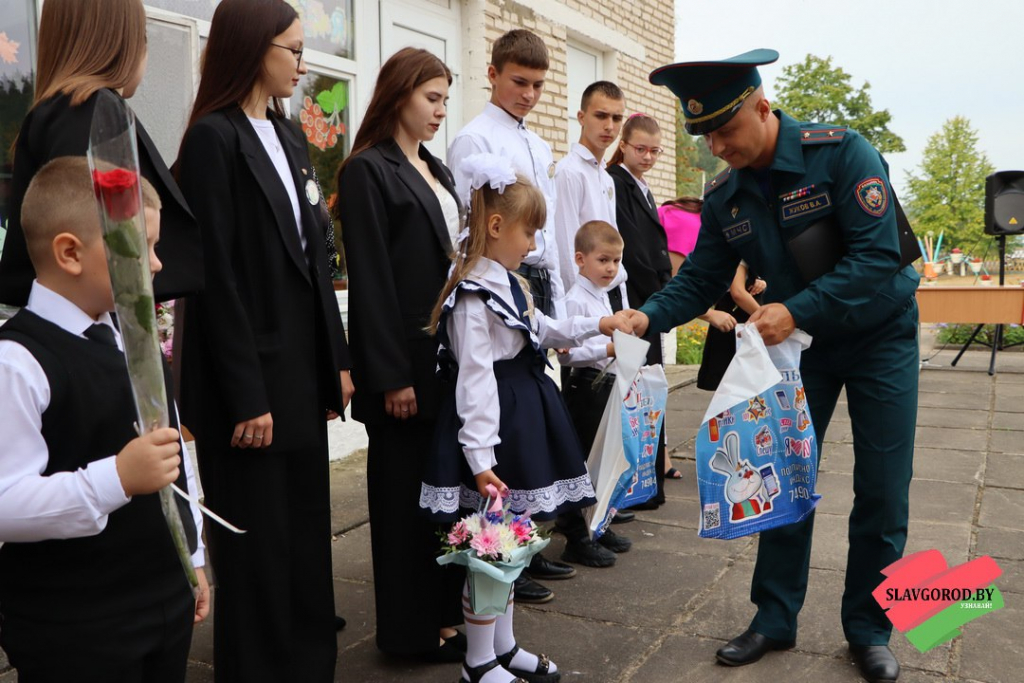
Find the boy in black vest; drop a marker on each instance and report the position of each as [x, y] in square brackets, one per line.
[91, 588]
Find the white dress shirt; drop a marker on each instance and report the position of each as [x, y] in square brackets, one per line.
[497, 132]
[585, 193]
[272, 144]
[480, 336]
[645, 189]
[62, 505]
[589, 300]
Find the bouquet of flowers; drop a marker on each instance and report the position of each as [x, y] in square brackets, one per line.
[495, 546]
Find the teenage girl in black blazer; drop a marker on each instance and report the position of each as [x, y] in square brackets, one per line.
[77, 65]
[397, 209]
[265, 362]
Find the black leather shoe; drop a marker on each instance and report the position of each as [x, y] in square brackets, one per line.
[544, 569]
[877, 663]
[748, 647]
[588, 553]
[531, 592]
[339, 623]
[614, 542]
[623, 517]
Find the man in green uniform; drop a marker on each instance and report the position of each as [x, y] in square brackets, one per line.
[810, 208]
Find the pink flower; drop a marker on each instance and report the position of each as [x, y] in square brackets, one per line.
[487, 543]
[166, 347]
[458, 535]
[523, 530]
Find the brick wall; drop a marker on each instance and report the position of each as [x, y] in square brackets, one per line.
[651, 23]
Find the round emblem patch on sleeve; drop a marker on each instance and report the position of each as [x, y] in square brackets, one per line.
[872, 196]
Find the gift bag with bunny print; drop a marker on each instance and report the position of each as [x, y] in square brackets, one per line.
[757, 456]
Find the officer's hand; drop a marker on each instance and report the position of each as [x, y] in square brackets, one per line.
[639, 320]
[774, 322]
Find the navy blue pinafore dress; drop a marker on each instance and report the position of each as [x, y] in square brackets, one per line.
[540, 458]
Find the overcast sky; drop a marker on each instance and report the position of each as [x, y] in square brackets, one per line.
[926, 60]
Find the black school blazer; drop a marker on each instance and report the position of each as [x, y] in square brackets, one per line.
[54, 129]
[265, 335]
[397, 250]
[645, 254]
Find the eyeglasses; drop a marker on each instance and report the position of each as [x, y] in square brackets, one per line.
[297, 53]
[643, 150]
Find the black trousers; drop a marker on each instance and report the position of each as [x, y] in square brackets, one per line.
[274, 598]
[149, 645]
[415, 597]
[540, 287]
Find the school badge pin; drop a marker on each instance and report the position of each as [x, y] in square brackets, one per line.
[872, 196]
[551, 170]
[695, 107]
[312, 192]
[735, 211]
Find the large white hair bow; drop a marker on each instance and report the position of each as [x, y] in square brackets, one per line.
[487, 169]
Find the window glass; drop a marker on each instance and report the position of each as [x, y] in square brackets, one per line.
[17, 80]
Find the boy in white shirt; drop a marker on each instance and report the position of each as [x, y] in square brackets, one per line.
[598, 255]
[87, 562]
[517, 72]
[585, 190]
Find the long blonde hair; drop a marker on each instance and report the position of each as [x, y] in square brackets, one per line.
[85, 46]
[521, 202]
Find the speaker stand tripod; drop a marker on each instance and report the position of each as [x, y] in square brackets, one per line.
[997, 336]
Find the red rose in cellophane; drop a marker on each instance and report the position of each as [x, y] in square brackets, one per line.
[120, 192]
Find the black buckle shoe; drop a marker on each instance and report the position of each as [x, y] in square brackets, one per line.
[614, 542]
[540, 675]
[877, 663]
[748, 647]
[529, 591]
[544, 569]
[588, 553]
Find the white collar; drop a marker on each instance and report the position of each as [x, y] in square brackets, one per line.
[639, 181]
[592, 289]
[502, 117]
[586, 155]
[51, 306]
[491, 273]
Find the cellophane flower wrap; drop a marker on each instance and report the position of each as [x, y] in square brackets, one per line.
[495, 546]
[113, 160]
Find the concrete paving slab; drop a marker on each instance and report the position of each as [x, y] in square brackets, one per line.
[953, 417]
[1002, 508]
[1006, 442]
[945, 383]
[948, 437]
[1012, 578]
[348, 492]
[1001, 544]
[991, 646]
[939, 501]
[1005, 470]
[836, 493]
[837, 457]
[1012, 421]
[937, 464]
[351, 555]
[1009, 393]
[977, 401]
[725, 609]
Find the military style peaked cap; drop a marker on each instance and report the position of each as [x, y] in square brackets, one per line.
[712, 92]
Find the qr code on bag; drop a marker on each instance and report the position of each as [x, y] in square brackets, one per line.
[712, 516]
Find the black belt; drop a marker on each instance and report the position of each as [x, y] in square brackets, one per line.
[590, 375]
[534, 272]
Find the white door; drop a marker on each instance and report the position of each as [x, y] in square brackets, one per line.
[434, 28]
[583, 67]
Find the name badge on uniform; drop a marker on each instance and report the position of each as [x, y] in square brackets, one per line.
[735, 232]
[312, 192]
[805, 205]
[551, 170]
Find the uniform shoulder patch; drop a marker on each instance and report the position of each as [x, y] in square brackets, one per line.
[717, 182]
[872, 195]
[822, 136]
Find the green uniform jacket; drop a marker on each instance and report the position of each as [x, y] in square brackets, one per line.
[817, 171]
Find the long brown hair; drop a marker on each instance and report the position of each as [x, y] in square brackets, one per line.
[404, 71]
[636, 122]
[521, 202]
[691, 204]
[87, 46]
[240, 35]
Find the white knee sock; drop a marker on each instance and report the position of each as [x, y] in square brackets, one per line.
[480, 642]
[505, 640]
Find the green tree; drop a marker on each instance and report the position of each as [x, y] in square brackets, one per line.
[695, 164]
[948, 192]
[814, 90]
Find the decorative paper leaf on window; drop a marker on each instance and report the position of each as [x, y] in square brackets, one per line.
[9, 49]
[335, 100]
